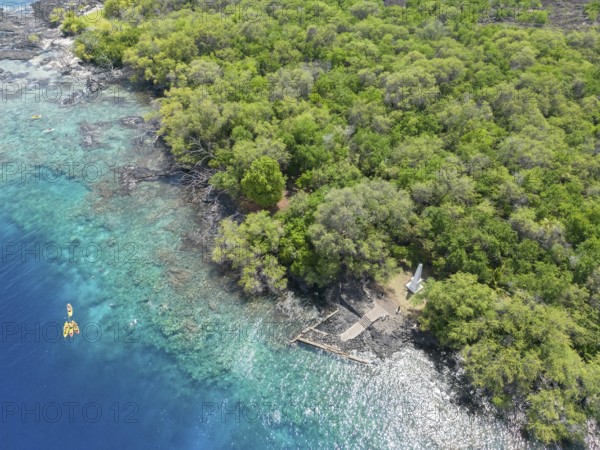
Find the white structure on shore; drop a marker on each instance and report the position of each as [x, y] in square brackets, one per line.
[414, 285]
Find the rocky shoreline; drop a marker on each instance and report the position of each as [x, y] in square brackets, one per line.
[26, 32]
[28, 35]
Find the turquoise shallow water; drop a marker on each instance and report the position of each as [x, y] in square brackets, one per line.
[170, 357]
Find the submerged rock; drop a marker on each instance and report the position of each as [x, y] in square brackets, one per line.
[131, 122]
[90, 135]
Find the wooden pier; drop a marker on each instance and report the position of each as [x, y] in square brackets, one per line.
[307, 329]
[322, 346]
[331, 349]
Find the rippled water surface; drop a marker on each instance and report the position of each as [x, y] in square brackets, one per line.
[168, 358]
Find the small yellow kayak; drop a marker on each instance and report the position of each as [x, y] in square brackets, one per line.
[36, 116]
[66, 329]
[75, 327]
[71, 329]
[69, 310]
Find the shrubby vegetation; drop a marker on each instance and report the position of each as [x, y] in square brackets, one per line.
[399, 138]
[592, 9]
[517, 347]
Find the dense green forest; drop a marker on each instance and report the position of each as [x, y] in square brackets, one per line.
[463, 137]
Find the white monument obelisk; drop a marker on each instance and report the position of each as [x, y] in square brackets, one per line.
[414, 285]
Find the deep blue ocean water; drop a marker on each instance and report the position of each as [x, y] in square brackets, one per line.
[168, 357]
